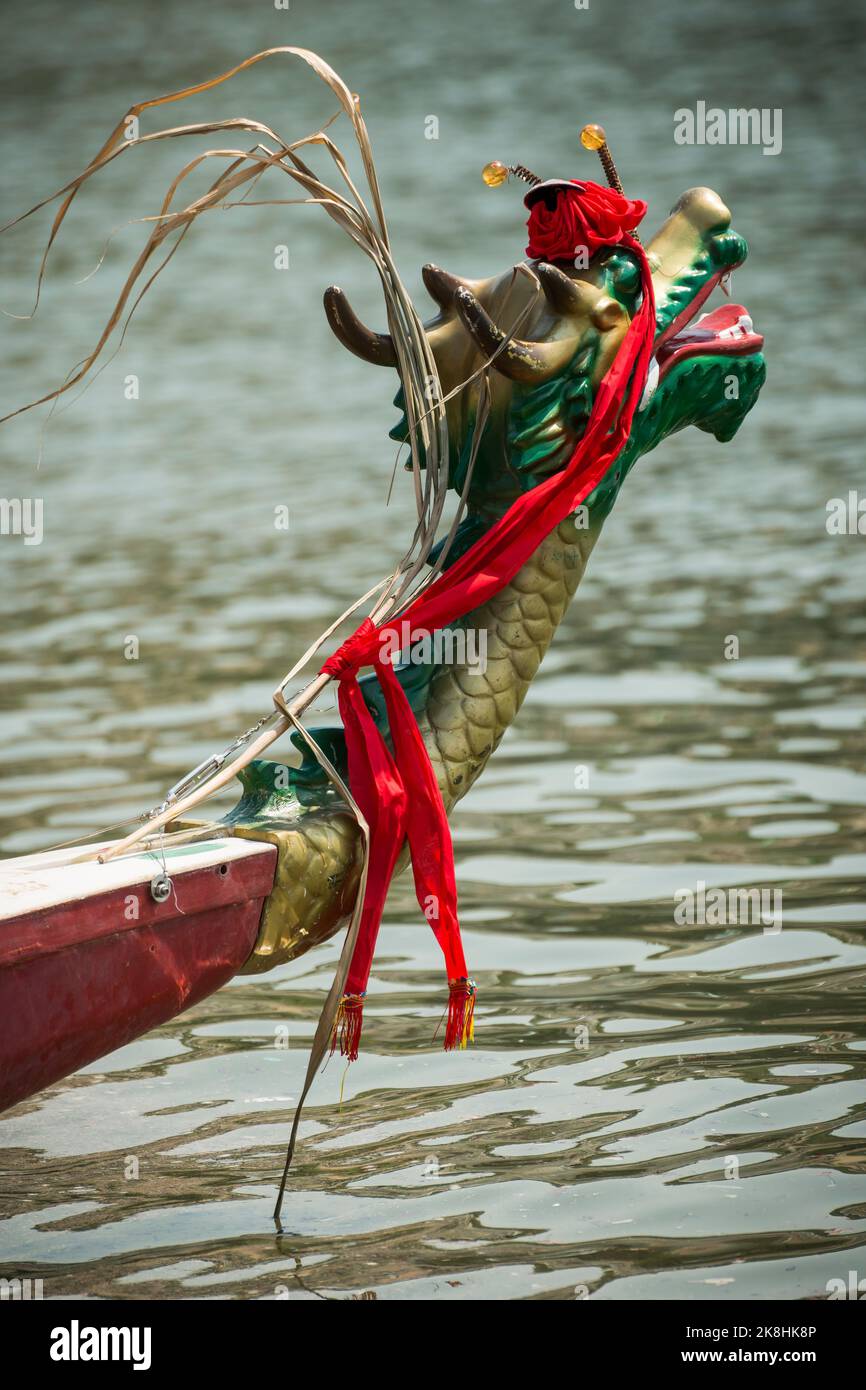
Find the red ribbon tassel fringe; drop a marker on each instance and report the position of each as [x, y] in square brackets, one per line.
[347, 1026]
[460, 1028]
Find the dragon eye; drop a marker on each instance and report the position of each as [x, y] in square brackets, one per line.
[624, 274]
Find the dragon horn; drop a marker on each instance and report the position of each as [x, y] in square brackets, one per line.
[442, 286]
[514, 358]
[564, 295]
[377, 348]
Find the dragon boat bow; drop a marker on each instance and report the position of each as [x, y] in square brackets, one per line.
[93, 955]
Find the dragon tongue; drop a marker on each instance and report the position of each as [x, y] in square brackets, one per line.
[727, 321]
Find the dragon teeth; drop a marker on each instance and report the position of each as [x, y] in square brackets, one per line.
[652, 382]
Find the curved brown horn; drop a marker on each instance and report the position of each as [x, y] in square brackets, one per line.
[518, 360]
[377, 348]
[441, 285]
[564, 295]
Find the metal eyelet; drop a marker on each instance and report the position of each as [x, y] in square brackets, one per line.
[160, 888]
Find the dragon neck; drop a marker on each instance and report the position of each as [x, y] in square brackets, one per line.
[469, 706]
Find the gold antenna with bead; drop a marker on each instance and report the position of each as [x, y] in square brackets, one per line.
[496, 173]
[592, 137]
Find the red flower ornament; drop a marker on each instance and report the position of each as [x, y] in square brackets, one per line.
[583, 214]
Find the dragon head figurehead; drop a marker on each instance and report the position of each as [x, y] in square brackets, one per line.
[549, 332]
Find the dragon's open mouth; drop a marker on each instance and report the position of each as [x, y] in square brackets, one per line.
[725, 331]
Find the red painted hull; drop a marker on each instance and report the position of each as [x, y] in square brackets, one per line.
[78, 979]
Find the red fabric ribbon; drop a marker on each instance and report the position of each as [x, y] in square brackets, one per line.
[397, 791]
[585, 215]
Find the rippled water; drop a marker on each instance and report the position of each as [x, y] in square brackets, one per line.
[651, 1109]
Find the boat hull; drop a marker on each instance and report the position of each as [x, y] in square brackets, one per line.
[85, 974]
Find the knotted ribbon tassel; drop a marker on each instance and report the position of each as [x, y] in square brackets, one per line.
[347, 1026]
[460, 1028]
[400, 799]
